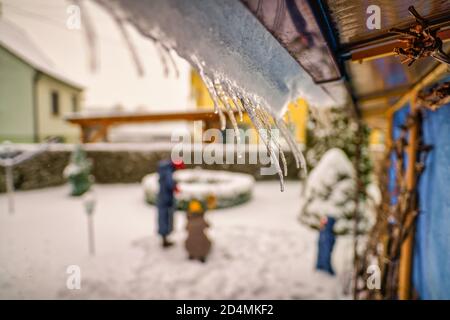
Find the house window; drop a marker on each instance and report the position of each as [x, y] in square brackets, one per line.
[74, 103]
[55, 103]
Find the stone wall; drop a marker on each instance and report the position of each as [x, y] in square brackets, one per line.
[113, 165]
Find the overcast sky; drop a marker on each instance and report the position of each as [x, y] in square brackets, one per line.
[117, 81]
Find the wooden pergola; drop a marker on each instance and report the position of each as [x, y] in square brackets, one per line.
[95, 128]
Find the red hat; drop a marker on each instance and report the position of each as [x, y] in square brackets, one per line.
[178, 164]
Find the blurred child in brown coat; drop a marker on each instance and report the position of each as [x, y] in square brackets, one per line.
[197, 243]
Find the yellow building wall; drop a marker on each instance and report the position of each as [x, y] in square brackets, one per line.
[297, 119]
[55, 125]
[297, 115]
[376, 137]
[200, 93]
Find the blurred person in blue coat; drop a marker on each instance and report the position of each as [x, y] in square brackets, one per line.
[166, 199]
[326, 244]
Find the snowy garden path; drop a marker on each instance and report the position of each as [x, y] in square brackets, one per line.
[260, 251]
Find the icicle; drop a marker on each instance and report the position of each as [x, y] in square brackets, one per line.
[89, 34]
[232, 118]
[293, 145]
[250, 108]
[289, 142]
[218, 109]
[131, 48]
[234, 98]
[224, 99]
[163, 59]
[210, 87]
[162, 50]
[173, 62]
[266, 121]
[238, 107]
[166, 57]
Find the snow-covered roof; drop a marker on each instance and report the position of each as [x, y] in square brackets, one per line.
[15, 40]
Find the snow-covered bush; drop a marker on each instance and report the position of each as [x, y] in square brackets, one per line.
[78, 172]
[228, 188]
[330, 191]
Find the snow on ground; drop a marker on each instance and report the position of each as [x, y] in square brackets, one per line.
[260, 251]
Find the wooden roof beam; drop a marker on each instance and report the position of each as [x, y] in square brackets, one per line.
[384, 49]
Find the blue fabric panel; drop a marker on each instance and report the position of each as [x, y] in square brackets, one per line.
[431, 270]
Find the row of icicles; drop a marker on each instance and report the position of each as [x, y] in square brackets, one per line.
[228, 99]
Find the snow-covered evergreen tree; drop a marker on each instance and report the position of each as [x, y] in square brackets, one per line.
[329, 191]
[336, 128]
[78, 172]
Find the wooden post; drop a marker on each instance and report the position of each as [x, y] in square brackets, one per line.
[85, 133]
[388, 133]
[406, 254]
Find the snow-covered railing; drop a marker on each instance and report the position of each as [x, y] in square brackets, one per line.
[13, 158]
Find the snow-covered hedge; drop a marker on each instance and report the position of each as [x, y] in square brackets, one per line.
[229, 188]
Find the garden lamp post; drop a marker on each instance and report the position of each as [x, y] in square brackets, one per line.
[89, 206]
